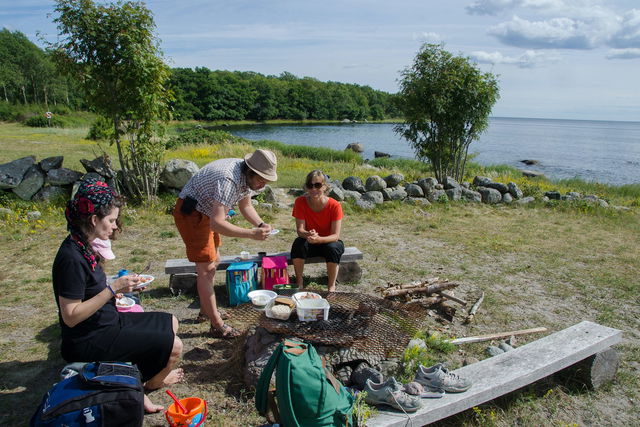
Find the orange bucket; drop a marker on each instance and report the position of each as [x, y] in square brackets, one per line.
[195, 416]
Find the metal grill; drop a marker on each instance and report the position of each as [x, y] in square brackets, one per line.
[384, 334]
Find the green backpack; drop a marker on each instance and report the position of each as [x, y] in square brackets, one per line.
[307, 394]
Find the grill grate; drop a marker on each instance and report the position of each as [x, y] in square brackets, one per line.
[384, 333]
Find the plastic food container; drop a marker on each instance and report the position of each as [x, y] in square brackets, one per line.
[310, 309]
[299, 296]
[268, 310]
[288, 289]
[260, 298]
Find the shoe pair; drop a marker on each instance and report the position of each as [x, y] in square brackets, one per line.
[437, 377]
[391, 393]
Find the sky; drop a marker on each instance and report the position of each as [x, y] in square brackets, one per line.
[559, 59]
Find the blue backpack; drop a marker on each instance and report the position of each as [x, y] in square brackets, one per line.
[101, 394]
[242, 278]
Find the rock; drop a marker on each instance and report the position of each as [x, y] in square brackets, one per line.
[552, 195]
[417, 342]
[603, 203]
[414, 190]
[269, 195]
[375, 183]
[498, 186]
[492, 350]
[466, 185]
[572, 195]
[507, 198]
[296, 192]
[481, 181]
[31, 183]
[182, 283]
[419, 201]
[471, 196]
[353, 183]
[177, 172]
[100, 165]
[490, 195]
[525, 200]
[469, 361]
[427, 184]
[531, 174]
[336, 193]
[51, 163]
[378, 154]
[529, 162]
[454, 193]
[505, 347]
[63, 176]
[352, 195]
[394, 179]
[450, 183]
[11, 173]
[396, 193]
[414, 388]
[33, 215]
[266, 206]
[373, 197]
[365, 204]
[514, 190]
[435, 195]
[355, 147]
[364, 372]
[49, 193]
[349, 272]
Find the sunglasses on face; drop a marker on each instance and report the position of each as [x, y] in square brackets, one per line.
[316, 185]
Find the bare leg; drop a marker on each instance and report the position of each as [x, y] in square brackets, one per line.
[169, 375]
[298, 268]
[206, 274]
[332, 275]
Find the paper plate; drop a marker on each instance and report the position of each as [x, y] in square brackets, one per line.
[125, 302]
[147, 279]
[274, 231]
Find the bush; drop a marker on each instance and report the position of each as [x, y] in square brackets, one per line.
[102, 128]
[201, 136]
[43, 122]
[314, 153]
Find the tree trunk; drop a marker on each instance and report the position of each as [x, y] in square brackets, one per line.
[24, 94]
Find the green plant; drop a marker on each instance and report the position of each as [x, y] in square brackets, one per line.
[361, 410]
[101, 128]
[436, 347]
[43, 122]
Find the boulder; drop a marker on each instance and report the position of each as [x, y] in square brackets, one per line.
[353, 183]
[100, 165]
[177, 172]
[63, 176]
[394, 179]
[51, 163]
[373, 197]
[514, 190]
[352, 195]
[531, 174]
[450, 183]
[378, 154]
[552, 195]
[349, 272]
[375, 183]
[420, 201]
[435, 195]
[355, 147]
[336, 193]
[481, 181]
[365, 204]
[498, 186]
[49, 193]
[296, 192]
[471, 196]
[507, 198]
[490, 195]
[31, 183]
[414, 190]
[525, 200]
[11, 173]
[427, 184]
[529, 162]
[454, 194]
[395, 193]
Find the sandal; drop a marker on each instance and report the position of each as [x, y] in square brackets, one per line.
[204, 318]
[225, 332]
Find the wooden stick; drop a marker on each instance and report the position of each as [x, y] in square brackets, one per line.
[452, 298]
[473, 310]
[427, 289]
[489, 337]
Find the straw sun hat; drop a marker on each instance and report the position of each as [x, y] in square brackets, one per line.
[264, 163]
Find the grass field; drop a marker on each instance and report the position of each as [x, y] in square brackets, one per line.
[549, 265]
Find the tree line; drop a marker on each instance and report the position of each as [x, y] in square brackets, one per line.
[28, 75]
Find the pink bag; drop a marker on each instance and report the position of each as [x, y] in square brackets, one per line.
[274, 272]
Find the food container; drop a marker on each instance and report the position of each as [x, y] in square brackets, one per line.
[287, 289]
[261, 298]
[299, 296]
[268, 310]
[310, 309]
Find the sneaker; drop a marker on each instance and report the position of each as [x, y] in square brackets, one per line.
[390, 393]
[439, 377]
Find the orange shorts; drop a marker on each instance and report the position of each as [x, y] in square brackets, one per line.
[201, 242]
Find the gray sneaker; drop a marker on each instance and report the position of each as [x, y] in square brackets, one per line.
[439, 377]
[390, 393]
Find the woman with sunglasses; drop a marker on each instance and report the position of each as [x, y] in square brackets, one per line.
[318, 222]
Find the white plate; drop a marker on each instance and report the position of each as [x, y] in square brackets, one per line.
[274, 231]
[125, 302]
[149, 278]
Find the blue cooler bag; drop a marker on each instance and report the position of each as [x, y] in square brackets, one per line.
[101, 394]
[242, 278]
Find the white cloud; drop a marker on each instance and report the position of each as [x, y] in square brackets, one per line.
[631, 53]
[495, 7]
[628, 35]
[428, 37]
[528, 59]
[556, 33]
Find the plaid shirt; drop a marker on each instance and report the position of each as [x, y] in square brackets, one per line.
[220, 181]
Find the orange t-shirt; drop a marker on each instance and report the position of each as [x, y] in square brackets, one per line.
[319, 221]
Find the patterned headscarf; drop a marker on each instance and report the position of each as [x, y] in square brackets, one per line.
[90, 197]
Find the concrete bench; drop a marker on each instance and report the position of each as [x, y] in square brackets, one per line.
[349, 269]
[585, 342]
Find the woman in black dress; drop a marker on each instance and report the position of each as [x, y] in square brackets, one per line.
[92, 327]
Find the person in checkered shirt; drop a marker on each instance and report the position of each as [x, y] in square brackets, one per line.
[201, 215]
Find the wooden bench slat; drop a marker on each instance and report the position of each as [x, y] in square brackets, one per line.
[183, 266]
[506, 372]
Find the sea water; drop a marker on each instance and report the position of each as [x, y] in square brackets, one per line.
[601, 151]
